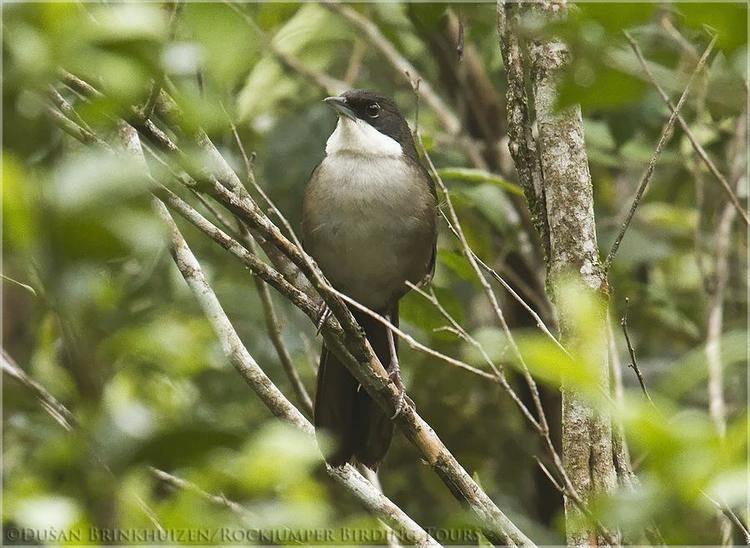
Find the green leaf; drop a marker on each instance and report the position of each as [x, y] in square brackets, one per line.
[469, 175]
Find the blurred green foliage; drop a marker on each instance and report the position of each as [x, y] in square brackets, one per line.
[94, 310]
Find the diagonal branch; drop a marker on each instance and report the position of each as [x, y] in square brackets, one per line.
[699, 150]
[665, 134]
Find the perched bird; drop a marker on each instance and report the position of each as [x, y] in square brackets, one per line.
[369, 221]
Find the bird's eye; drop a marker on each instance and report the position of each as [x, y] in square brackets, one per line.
[373, 110]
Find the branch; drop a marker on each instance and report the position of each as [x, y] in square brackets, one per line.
[633, 362]
[219, 500]
[690, 135]
[665, 134]
[274, 332]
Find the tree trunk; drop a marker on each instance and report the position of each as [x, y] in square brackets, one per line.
[553, 169]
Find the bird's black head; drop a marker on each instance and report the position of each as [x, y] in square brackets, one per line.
[377, 110]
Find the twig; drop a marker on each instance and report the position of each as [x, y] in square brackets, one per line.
[539, 322]
[459, 331]
[355, 62]
[71, 128]
[690, 135]
[611, 539]
[541, 422]
[633, 362]
[412, 342]
[219, 500]
[541, 416]
[49, 403]
[273, 325]
[67, 109]
[732, 516]
[665, 134]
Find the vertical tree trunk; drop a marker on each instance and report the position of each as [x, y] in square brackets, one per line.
[568, 198]
[553, 168]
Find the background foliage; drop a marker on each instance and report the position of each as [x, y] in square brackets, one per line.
[95, 311]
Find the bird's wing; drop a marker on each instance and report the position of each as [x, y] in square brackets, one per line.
[426, 177]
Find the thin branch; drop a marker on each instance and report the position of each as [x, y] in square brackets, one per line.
[492, 272]
[454, 221]
[71, 128]
[610, 538]
[49, 403]
[273, 326]
[690, 135]
[665, 134]
[543, 425]
[732, 516]
[459, 331]
[412, 342]
[354, 66]
[219, 500]
[633, 362]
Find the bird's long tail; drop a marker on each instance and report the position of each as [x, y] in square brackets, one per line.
[344, 410]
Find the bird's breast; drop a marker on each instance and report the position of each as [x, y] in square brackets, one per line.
[369, 223]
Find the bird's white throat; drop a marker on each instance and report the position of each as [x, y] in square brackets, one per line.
[359, 137]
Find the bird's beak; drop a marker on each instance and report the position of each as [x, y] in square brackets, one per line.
[341, 107]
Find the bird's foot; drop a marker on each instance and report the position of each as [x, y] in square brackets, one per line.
[323, 313]
[395, 376]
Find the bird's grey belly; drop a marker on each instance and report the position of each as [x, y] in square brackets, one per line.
[371, 229]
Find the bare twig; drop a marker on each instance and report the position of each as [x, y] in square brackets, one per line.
[412, 342]
[355, 62]
[700, 151]
[633, 362]
[541, 423]
[665, 134]
[49, 403]
[219, 500]
[492, 272]
[76, 131]
[273, 325]
[611, 539]
[466, 249]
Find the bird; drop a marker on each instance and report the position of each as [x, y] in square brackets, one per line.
[370, 223]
